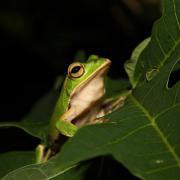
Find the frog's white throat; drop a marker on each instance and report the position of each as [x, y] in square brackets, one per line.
[85, 102]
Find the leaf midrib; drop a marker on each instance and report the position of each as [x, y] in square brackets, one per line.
[157, 129]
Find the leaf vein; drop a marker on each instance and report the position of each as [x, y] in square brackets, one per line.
[152, 154]
[160, 169]
[165, 110]
[158, 130]
[167, 30]
[128, 134]
[174, 6]
[158, 41]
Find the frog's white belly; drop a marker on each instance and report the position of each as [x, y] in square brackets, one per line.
[88, 94]
[85, 103]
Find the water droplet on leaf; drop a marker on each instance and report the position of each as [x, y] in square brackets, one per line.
[158, 161]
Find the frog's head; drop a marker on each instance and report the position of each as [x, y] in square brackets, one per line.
[79, 74]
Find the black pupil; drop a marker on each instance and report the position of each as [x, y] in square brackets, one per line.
[75, 69]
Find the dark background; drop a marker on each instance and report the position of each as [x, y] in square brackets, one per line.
[38, 40]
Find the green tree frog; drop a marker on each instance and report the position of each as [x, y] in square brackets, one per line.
[79, 103]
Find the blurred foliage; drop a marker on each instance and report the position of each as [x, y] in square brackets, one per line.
[56, 30]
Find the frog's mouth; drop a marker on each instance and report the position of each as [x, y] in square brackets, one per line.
[85, 102]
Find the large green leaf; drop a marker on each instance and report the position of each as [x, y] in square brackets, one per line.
[143, 135]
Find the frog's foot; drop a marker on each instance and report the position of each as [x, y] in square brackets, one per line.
[66, 128]
[98, 121]
[110, 105]
[42, 155]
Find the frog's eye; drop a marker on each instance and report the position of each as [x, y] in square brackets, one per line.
[76, 70]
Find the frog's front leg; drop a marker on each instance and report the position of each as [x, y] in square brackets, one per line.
[66, 128]
[112, 104]
[107, 107]
[64, 124]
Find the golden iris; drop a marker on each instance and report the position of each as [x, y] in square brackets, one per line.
[76, 70]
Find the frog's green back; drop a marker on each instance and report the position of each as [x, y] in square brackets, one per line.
[60, 108]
